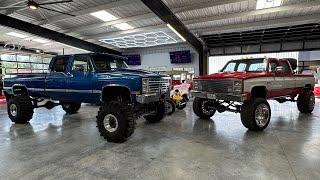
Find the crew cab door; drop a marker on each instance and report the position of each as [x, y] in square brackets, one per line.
[284, 78]
[57, 77]
[81, 80]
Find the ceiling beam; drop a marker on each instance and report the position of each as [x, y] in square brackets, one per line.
[168, 17]
[291, 21]
[53, 35]
[190, 7]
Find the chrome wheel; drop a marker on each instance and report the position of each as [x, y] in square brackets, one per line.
[110, 123]
[312, 102]
[13, 110]
[205, 108]
[262, 115]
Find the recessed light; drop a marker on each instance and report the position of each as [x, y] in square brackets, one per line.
[123, 26]
[176, 32]
[15, 34]
[104, 16]
[40, 40]
[263, 4]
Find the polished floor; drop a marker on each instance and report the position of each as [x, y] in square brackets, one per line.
[59, 146]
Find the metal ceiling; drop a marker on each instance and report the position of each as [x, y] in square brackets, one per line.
[202, 17]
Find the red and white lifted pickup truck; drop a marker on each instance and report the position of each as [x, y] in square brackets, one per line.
[243, 86]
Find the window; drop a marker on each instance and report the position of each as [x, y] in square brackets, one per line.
[60, 64]
[107, 63]
[230, 67]
[242, 67]
[284, 67]
[272, 66]
[81, 64]
[257, 67]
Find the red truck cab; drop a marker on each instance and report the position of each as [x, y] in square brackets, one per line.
[245, 85]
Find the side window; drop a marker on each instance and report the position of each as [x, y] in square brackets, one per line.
[230, 67]
[81, 64]
[242, 67]
[272, 66]
[60, 64]
[257, 67]
[284, 67]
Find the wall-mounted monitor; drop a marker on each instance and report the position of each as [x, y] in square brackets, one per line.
[180, 57]
[133, 59]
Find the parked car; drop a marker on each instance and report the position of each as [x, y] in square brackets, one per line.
[104, 79]
[244, 86]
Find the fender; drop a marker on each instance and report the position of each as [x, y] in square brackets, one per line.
[124, 91]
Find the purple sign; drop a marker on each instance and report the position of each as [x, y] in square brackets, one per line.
[133, 59]
[180, 57]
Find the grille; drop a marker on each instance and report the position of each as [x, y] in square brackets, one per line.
[217, 86]
[158, 85]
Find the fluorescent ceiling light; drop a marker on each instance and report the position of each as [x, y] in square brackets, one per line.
[123, 26]
[104, 16]
[15, 34]
[40, 40]
[263, 4]
[175, 31]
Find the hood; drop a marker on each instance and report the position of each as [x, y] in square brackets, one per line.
[131, 73]
[233, 75]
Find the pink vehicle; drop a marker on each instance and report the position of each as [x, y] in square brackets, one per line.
[244, 86]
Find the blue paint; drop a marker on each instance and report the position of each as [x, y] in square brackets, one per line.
[75, 86]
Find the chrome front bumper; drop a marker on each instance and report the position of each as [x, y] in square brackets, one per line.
[220, 96]
[152, 97]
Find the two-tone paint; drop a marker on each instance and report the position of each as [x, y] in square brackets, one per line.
[276, 84]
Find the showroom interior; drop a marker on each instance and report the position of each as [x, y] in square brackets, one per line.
[161, 89]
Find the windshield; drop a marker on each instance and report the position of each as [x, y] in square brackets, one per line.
[255, 65]
[107, 63]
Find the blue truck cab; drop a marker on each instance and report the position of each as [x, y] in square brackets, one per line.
[124, 94]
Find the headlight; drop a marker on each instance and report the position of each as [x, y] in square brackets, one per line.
[145, 85]
[197, 85]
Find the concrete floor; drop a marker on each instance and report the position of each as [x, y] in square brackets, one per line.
[55, 145]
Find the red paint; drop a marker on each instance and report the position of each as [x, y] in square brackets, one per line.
[234, 75]
[2, 99]
[317, 91]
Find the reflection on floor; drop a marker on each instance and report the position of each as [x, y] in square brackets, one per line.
[55, 145]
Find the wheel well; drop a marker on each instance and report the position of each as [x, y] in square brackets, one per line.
[116, 93]
[20, 90]
[259, 91]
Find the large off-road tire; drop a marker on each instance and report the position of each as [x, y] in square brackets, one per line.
[115, 121]
[201, 110]
[170, 107]
[256, 114]
[70, 107]
[20, 109]
[306, 102]
[158, 115]
[182, 104]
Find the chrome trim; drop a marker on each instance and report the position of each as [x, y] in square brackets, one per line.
[220, 96]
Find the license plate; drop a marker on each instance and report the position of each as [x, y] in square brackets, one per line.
[211, 96]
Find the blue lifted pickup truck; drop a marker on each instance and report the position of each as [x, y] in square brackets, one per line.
[124, 94]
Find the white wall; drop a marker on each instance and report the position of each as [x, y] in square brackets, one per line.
[159, 57]
[217, 62]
